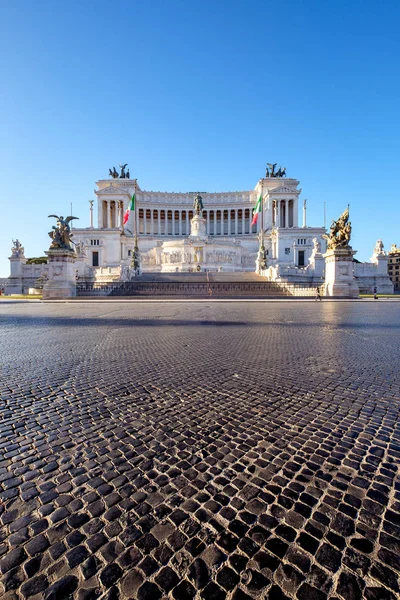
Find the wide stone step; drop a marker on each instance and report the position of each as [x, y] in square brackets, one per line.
[190, 288]
[199, 277]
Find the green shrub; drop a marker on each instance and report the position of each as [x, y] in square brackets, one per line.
[37, 260]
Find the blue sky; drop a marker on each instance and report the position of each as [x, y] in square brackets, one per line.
[199, 95]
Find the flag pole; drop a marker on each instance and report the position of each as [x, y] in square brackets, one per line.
[262, 214]
[134, 194]
[135, 258]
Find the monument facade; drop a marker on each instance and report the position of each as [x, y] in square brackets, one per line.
[257, 230]
[166, 225]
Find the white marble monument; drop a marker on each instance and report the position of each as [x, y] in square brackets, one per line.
[339, 270]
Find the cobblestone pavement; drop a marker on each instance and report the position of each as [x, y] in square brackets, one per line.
[200, 450]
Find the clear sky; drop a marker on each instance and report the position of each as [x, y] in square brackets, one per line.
[199, 95]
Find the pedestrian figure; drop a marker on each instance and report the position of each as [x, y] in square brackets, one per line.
[317, 294]
[375, 293]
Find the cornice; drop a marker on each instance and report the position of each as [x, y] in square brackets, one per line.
[284, 190]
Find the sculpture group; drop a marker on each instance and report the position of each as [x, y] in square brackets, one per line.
[270, 172]
[122, 175]
[61, 233]
[339, 232]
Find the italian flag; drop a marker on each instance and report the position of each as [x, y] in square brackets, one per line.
[130, 208]
[256, 211]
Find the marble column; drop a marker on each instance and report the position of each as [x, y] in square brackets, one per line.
[215, 222]
[236, 222]
[180, 222]
[151, 221]
[229, 221]
[187, 223]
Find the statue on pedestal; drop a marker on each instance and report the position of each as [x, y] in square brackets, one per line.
[379, 248]
[17, 251]
[339, 232]
[317, 246]
[198, 205]
[61, 234]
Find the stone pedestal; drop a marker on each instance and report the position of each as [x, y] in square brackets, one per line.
[198, 227]
[62, 275]
[15, 282]
[339, 275]
[317, 265]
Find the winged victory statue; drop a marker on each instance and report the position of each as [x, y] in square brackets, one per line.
[61, 233]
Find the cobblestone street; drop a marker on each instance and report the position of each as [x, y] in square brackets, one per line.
[200, 450]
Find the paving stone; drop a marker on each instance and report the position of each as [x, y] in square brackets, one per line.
[90, 567]
[167, 579]
[62, 589]
[35, 585]
[289, 578]
[255, 581]
[149, 591]
[96, 541]
[12, 559]
[378, 593]
[213, 592]
[32, 566]
[356, 561]
[227, 578]
[131, 583]
[148, 565]
[36, 545]
[307, 592]
[329, 557]
[88, 593]
[386, 576]
[184, 591]
[13, 578]
[350, 587]
[275, 593]
[76, 556]
[199, 573]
